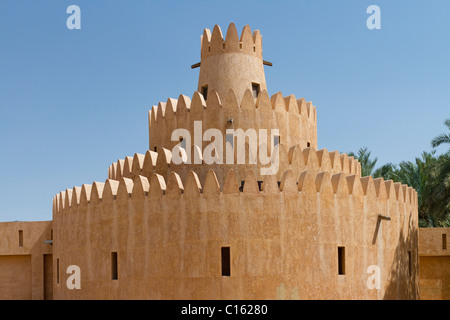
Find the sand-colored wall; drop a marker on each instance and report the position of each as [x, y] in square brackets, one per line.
[295, 118]
[231, 62]
[434, 263]
[295, 158]
[22, 267]
[168, 235]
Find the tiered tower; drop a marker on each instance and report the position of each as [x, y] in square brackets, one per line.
[156, 229]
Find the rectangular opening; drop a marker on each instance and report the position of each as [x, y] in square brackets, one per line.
[260, 185]
[276, 140]
[444, 241]
[183, 143]
[114, 273]
[230, 139]
[20, 238]
[48, 276]
[409, 262]
[226, 267]
[51, 234]
[308, 144]
[341, 260]
[57, 271]
[255, 89]
[205, 92]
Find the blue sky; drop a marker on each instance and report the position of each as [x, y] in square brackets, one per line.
[74, 101]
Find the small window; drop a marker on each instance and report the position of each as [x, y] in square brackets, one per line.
[223, 46]
[276, 140]
[230, 139]
[226, 263]
[183, 143]
[409, 262]
[51, 234]
[255, 89]
[308, 144]
[114, 269]
[57, 270]
[341, 260]
[240, 45]
[154, 149]
[444, 241]
[205, 92]
[20, 238]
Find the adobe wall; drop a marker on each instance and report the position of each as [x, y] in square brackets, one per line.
[231, 63]
[22, 266]
[168, 236]
[295, 118]
[434, 249]
[295, 158]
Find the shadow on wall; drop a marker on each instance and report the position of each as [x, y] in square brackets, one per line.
[404, 274]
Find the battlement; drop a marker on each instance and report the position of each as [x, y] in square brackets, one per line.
[215, 43]
[295, 118]
[277, 102]
[157, 186]
[295, 158]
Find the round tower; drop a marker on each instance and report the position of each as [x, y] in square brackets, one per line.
[231, 63]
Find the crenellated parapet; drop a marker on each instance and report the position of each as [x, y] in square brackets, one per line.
[231, 62]
[296, 159]
[215, 43]
[309, 181]
[295, 118]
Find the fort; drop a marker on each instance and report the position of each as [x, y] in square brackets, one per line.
[155, 229]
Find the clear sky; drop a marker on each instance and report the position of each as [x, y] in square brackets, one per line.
[74, 101]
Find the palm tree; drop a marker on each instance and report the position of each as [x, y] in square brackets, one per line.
[442, 138]
[418, 175]
[441, 179]
[367, 164]
[429, 175]
[386, 171]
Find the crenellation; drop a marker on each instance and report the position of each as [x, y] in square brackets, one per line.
[250, 184]
[110, 190]
[278, 103]
[288, 183]
[157, 186]
[311, 160]
[97, 192]
[68, 198]
[76, 196]
[339, 183]
[138, 164]
[174, 185]
[128, 167]
[380, 188]
[291, 104]
[367, 185]
[193, 187]
[85, 195]
[211, 186]
[62, 200]
[231, 185]
[120, 168]
[344, 163]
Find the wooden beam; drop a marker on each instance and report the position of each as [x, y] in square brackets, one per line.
[195, 65]
[267, 63]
